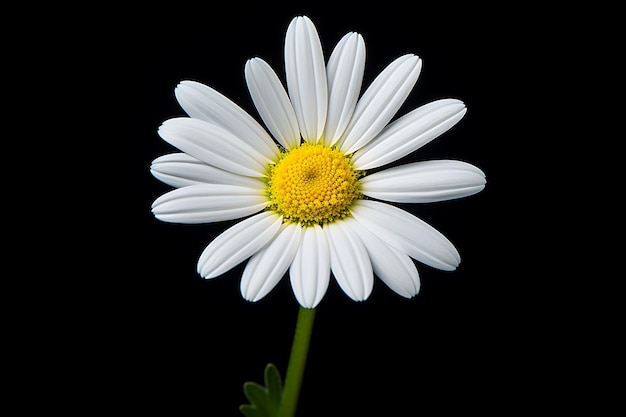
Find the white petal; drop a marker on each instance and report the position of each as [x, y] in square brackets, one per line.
[213, 145]
[180, 170]
[393, 267]
[424, 182]
[349, 261]
[203, 102]
[345, 76]
[206, 203]
[410, 132]
[238, 243]
[407, 233]
[269, 265]
[306, 77]
[310, 270]
[272, 102]
[380, 102]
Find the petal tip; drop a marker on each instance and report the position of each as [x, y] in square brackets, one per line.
[412, 60]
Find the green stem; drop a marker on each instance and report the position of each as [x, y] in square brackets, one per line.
[297, 361]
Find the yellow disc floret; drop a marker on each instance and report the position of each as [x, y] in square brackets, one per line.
[312, 184]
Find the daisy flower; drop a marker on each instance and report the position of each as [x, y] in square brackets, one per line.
[304, 188]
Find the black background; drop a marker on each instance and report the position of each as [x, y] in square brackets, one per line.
[482, 339]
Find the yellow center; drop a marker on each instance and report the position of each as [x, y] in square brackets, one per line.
[312, 184]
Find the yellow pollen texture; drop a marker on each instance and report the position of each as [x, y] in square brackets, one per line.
[312, 184]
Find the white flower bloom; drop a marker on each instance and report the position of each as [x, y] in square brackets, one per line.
[310, 205]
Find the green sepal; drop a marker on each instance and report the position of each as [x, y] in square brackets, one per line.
[264, 401]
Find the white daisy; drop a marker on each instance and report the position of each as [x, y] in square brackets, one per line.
[310, 205]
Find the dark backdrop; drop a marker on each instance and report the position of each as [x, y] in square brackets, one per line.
[472, 340]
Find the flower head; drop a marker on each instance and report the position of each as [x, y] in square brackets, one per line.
[309, 203]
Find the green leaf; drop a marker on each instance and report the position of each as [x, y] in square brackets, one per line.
[264, 401]
[251, 411]
[257, 395]
[274, 386]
